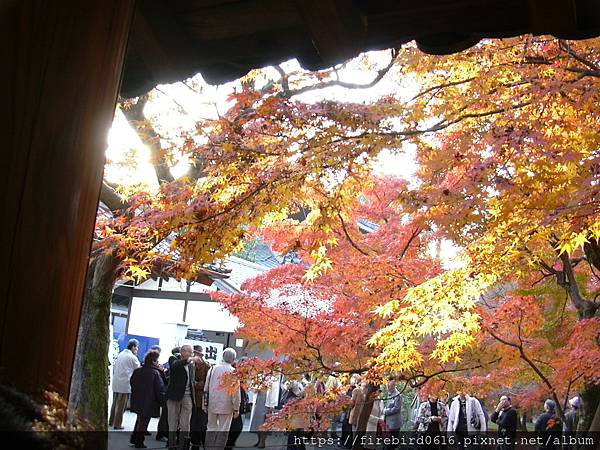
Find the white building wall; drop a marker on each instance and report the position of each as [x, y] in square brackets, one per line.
[149, 314]
[210, 316]
[160, 318]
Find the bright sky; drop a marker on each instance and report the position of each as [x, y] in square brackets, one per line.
[128, 159]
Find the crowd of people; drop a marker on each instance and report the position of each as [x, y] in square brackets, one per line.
[194, 407]
[187, 396]
[466, 418]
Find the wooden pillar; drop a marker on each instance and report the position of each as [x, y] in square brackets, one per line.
[61, 68]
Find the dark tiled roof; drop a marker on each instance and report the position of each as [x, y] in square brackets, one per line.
[264, 256]
[259, 252]
[367, 226]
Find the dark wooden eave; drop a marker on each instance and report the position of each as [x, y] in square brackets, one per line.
[224, 39]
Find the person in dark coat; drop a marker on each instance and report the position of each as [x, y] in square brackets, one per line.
[147, 396]
[549, 427]
[181, 396]
[506, 418]
[162, 429]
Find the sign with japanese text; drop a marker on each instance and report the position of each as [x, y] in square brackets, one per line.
[212, 351]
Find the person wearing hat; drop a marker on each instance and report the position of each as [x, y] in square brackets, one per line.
[199, 416]
[126, 363]
[572, 420]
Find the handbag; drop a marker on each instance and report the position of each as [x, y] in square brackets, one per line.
[382, 427]
[205, 394]
[245, 405]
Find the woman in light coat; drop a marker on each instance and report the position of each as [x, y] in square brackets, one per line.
[358, 399]
[376, 414]
[374, 418]
[223, 406]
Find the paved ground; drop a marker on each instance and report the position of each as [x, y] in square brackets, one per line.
[119, 440]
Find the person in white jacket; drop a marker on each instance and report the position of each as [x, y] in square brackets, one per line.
[126, 363]
[222, 405]
[466, 416]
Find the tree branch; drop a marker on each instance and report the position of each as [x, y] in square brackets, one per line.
[135, 117]
[440, 125]
[413, 236]
[331, 83]
[426, 377]
[350, 240]
[532, 365]
[564, 46]
[585, 308]
[111, 198]
[285, 85]
[442, 86]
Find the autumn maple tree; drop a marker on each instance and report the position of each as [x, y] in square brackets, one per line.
[507, 150]
[514, 181]
[505, 139]
[266, 156]
[324, 323]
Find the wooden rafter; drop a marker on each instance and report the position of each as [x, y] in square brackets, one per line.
[337, 28]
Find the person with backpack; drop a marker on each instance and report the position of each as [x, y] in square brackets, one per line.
[549, 427]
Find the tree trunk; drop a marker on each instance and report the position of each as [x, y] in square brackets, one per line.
[88, 398]
[590, 405]
[523, 421]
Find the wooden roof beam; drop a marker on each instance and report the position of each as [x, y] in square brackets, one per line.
[337, 28]
[556, 17]
[163, 46]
